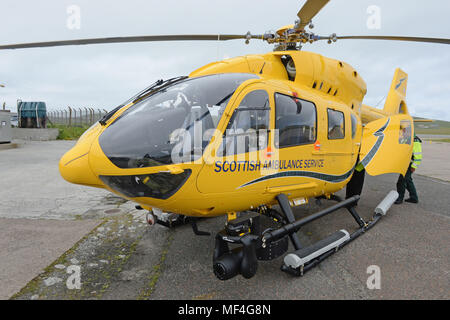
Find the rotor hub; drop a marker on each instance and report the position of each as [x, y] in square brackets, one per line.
[291, 37]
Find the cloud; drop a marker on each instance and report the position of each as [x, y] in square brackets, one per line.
[102, 76]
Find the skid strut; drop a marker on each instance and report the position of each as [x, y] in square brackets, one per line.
[286, 209]
[302, 260]
[252, 245]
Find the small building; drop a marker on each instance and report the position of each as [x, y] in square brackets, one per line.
[31, 114]
[5, 127]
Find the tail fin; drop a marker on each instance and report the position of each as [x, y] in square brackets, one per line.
[396, 99]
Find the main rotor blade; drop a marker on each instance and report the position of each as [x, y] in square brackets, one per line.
[309, 10]
[397, 38]
[197, 37]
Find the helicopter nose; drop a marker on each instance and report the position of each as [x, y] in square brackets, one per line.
[74, 168]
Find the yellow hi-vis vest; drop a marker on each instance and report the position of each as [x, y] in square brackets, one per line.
[417, 154]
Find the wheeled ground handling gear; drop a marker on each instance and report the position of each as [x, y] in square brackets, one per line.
[252, 244]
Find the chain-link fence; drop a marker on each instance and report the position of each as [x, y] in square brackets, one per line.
[76, 117]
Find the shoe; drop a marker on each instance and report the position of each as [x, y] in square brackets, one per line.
[398, 201]
[412, 200]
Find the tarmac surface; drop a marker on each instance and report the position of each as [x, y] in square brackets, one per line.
[48, 227]
[28, 246]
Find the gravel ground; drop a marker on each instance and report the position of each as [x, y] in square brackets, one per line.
[120, 257]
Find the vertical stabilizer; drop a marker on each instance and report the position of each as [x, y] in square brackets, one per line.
[396, 99]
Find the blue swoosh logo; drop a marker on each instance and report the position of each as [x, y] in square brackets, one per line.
[400, 83]
[306, 174]
[380, 134]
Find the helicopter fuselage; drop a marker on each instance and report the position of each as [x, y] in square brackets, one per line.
[290, 124]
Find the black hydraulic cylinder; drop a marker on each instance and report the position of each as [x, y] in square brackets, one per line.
[295, 226]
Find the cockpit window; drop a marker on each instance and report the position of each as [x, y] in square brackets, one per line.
[171, 125]
[247, 129]
[296, 120]
[336, 124]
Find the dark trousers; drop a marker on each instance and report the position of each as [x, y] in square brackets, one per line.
[407, 183]
[355, 186]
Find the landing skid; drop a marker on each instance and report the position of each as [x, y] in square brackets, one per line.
[255, 245]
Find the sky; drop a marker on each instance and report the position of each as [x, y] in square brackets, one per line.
[103, 76]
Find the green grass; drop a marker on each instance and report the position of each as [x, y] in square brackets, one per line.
[435, 131]
[441, 140]
[69, 133]
[437, 127]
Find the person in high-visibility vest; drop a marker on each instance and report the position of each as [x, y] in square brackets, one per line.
[355, 185]
[406, 182]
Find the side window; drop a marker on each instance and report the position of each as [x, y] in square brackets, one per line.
[248, 127]
[336, 124]
[295, 121]
[354, 125]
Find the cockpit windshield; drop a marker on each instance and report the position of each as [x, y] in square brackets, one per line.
[171, 125]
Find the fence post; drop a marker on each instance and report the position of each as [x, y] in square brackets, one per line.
[70, 116]
[92, 115]
[87, 119]
[81, 117]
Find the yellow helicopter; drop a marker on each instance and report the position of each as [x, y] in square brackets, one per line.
[238, 136]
